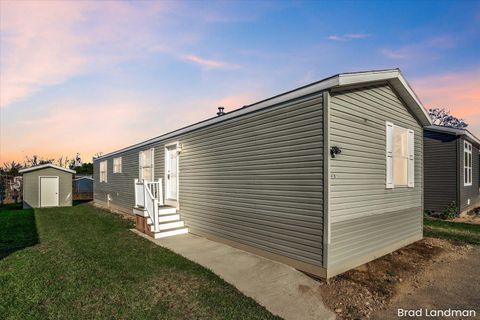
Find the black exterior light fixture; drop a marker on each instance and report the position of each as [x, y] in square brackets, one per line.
[334, 151]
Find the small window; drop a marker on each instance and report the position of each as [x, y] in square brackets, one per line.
[467, 163]
[146, 165]
[400, 156]
[103, 171]
[117, 165]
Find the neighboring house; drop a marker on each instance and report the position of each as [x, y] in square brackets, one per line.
[83, 184]
[324, 178]
[451, 169]
[47, 185]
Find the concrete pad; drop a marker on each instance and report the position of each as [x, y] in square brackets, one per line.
[283, 290]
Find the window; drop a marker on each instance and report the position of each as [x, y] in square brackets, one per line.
[400, 156]
[117, 165]
[146, 165]
[467, 163]
[103, 171]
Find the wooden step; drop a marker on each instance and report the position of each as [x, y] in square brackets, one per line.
[169, 225]
[169, 233]
[164, 210]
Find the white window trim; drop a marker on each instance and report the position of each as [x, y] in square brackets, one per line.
[117, 165]
[389, 175]
[467, 179]
[104, 178]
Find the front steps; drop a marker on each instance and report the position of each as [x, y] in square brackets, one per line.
[170, 223]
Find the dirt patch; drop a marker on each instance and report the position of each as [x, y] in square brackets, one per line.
[360, 292]
[473, 216]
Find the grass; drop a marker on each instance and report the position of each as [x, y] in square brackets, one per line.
[84, 263]
[455, 231]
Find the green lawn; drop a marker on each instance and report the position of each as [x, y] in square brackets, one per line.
[84, 263]
[456, 231]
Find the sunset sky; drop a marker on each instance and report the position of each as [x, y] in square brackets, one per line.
[88, 77]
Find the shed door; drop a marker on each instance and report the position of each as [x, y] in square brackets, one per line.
[48, 191]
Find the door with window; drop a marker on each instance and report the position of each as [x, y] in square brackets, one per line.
[171, 175]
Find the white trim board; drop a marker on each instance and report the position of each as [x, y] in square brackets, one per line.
[393, 76]
[43, 166]
[454, 131]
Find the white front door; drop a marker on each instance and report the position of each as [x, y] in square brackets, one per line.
[171, 175]
[48, 191]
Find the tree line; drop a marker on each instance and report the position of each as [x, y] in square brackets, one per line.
[74, 163]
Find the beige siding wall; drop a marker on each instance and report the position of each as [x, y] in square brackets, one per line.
[256, 179]
[366, 219]
[31, 187]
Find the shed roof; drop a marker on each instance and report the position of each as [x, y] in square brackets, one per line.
[43, 166]
[455, 132]
[393, 76]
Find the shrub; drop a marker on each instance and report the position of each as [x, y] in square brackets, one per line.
[451, 211]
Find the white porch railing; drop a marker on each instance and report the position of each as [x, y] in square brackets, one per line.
[149, 195]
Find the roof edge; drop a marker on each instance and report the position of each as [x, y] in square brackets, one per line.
[454, 131]
[393, 76]
[47, 165]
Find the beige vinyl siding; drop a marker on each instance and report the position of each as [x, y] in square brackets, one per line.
[31, 187]
[364, 215]
[256, 179]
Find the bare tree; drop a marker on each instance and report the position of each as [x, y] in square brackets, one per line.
[442, 117]
[36, 161]
[11, 168]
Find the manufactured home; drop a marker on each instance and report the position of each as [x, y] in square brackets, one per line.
[324, 178]
[47, 185]
[452, 174]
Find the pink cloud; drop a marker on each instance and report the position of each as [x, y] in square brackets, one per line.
[44, 43]
[457, 92]
[211, 64]
[419, 50]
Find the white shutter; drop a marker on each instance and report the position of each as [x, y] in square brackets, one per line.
[152, 164]
[140, 166]
[389, 144]
[411, 158]
[106, 171]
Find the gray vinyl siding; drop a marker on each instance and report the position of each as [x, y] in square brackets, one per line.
[31, 187]
[469, 192]
[256, 179]
[441, 170]
[365, 217]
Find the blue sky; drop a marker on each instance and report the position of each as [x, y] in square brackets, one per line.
[95, 76]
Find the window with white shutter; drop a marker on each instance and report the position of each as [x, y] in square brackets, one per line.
[146, 163]
[400, 157]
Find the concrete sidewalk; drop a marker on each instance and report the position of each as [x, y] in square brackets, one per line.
[281, 289]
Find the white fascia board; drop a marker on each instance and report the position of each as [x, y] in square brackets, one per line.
[393, 76]
[398, 82]
[48, 165]
[80, 178]
[318, 86]
[454, 131]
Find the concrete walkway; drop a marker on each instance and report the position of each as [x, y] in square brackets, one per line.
[281, 289]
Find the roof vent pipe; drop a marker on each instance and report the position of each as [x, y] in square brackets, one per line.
[220, 111]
